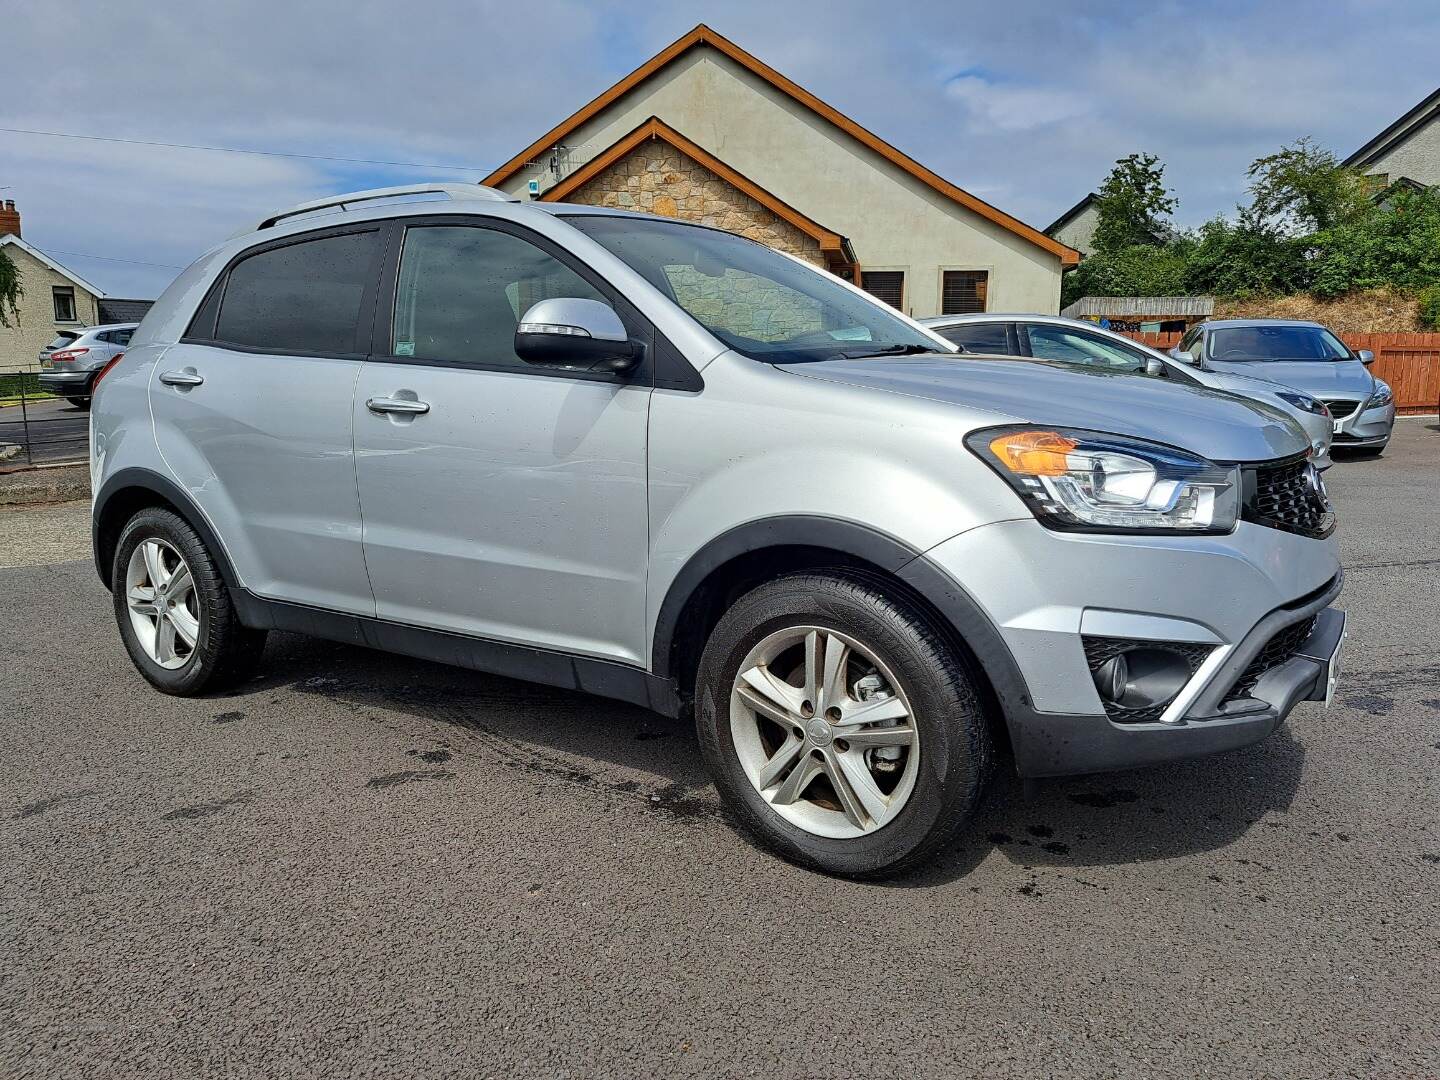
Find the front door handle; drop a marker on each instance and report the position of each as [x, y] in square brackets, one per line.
[188, 377]
[406, 406]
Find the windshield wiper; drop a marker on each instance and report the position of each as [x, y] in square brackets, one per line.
[889, 350]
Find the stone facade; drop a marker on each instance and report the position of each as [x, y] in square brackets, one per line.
[656, 178]
[20, 345]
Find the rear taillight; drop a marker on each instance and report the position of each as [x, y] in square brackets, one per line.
[105, 371]
[67, 354]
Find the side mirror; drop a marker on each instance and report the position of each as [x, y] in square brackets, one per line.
[1180, 354]
[575, 335]
[1153, 366]
[1366, 357]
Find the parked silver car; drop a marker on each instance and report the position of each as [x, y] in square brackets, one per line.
[665, 464]
[69, 364]
[1071, 341]
[1303, 356]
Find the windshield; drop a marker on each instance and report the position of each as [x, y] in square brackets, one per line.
[754, 300]
[1275, 343]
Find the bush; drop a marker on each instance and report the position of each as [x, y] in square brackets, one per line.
[1141, 270]
[1398, 245]
[1430, 307]
[1245, 258]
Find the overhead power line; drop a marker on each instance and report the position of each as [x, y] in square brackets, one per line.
[238, 150]
[108, 258]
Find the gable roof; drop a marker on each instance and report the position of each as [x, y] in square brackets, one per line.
[1398, 132]
[832, 244]
[114, 310]
[1071, 214]
[702, 35]
[40, 256]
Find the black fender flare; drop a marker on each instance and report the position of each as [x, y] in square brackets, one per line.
[149, 480]
[965, 617]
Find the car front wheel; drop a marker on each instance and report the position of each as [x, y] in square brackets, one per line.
[841, 729]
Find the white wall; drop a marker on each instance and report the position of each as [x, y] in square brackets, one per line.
[894, 221]
[1418, 157]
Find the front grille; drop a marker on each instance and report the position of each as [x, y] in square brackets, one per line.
[1100, 649]
[1288, 496]
[1277, 651]
[1340, 409]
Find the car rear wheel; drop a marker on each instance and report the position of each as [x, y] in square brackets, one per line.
[174, 610]
[81, 403]
[841, 729]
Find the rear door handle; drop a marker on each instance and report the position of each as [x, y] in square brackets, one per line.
[181, 378]
[407, 406]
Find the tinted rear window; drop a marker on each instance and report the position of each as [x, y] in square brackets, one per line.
[61, 340]
[300, 298]
[978, 337]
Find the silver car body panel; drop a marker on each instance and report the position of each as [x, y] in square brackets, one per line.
[1318, 427]
[561, 513]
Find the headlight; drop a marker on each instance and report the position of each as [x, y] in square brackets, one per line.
[1304, 402]
[1383, 395]
[1086, 481]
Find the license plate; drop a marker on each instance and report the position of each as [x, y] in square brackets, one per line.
[1333, 675]
[46, 362]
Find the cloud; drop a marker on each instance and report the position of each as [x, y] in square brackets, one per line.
[1046, 98]
[998, 108]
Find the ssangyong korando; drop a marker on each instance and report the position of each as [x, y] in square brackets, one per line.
[662, 463]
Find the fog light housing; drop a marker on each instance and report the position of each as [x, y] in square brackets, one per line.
[1137, 679]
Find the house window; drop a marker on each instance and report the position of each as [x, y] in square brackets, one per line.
[963, 291]
[64, 303]
[886, 285]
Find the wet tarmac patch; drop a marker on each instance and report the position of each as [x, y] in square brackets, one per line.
[408, 776]
[673, 800]
[209, 809]
[436, 757]
[229, 717]
[35, 809]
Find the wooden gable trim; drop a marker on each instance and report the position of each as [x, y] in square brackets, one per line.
[703, 35]
[655, 128]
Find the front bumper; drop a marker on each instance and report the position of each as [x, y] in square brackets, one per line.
[1224, 597]
[1366, 427]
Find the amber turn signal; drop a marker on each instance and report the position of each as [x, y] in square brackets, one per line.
[1033, 453]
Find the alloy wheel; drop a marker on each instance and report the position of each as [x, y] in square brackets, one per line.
[160, 593]
[824, 732]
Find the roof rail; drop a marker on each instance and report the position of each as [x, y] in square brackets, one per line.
[344, 202]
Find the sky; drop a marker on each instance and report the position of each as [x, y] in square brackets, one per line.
[1025, 103]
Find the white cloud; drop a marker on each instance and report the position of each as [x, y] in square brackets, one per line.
[992, 107]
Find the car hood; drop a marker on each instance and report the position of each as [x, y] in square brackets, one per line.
[1317, 378]
[1216, 425]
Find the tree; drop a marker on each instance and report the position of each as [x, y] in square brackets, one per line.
[1303, 188]
[1246, 257]
[11, 290]
[1398, 246]
[1131, 204]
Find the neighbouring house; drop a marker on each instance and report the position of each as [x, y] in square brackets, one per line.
[705, 132]
[1075, 228]
[1406, 151]
[56, 298]
[1150, 314]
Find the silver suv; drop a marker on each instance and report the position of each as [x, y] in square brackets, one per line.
[70, 363]
[665, 464]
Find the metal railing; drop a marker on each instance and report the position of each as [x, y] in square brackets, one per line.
[36, 427]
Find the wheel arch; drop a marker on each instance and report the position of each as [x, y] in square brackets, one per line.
[741, 558]
[127, 493]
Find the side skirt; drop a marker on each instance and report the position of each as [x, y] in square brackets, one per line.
[604, 678]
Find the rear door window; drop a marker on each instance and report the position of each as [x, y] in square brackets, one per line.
[988, 337]
[1068, 346]
[302, 298]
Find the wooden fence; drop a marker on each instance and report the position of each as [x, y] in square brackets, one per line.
[1410, 363]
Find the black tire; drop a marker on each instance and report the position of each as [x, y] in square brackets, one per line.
[225, 652]
[81, 403]
[956, 756]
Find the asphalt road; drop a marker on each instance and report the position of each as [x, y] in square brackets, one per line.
[362, 865]
[54, 429]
